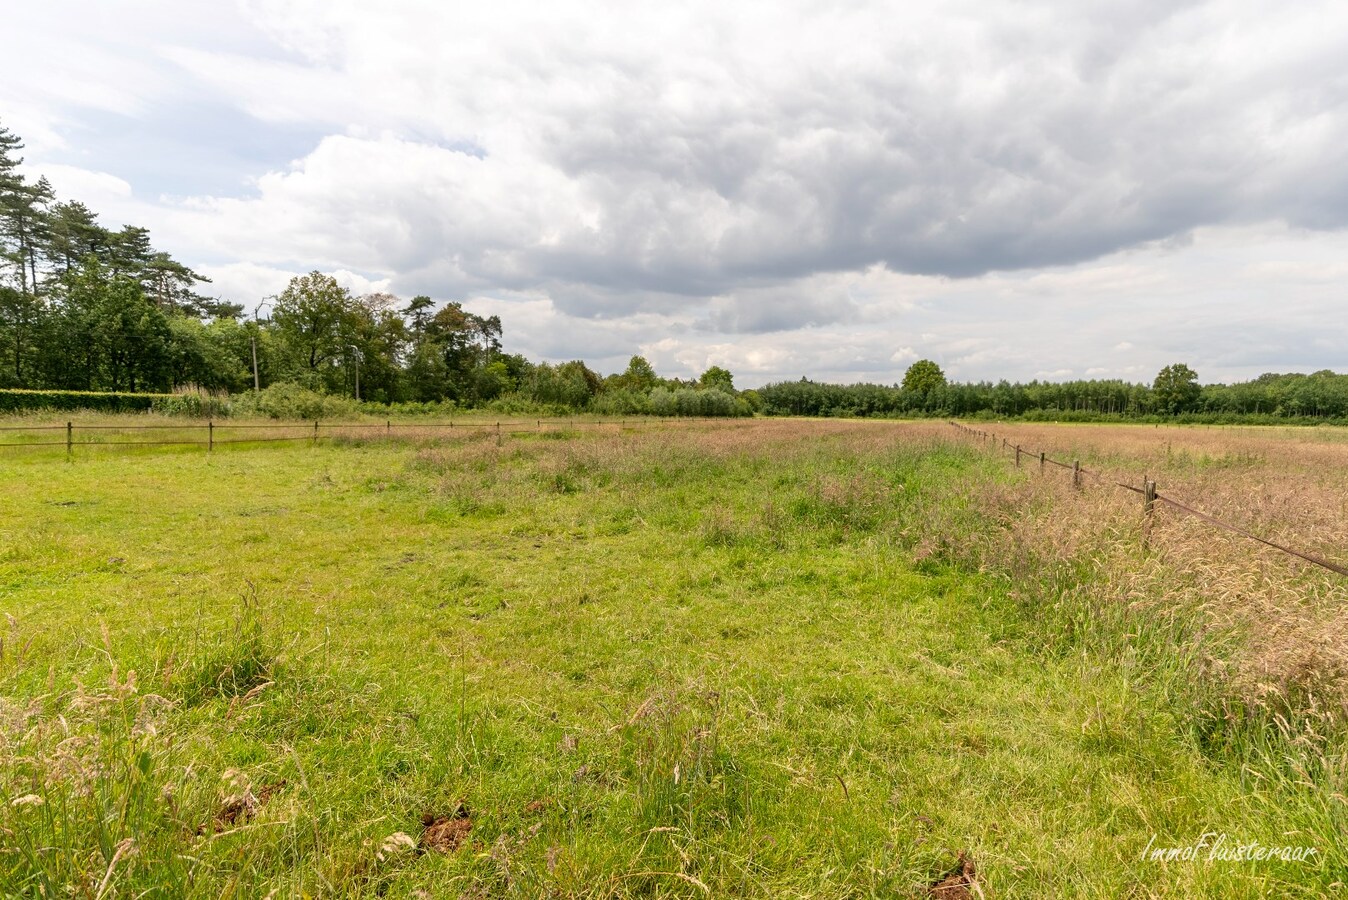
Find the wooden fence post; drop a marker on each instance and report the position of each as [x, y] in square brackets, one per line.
[315, 441]
[1148, 510]
[1018, 456]
[70, 439]
[1041, 462]
[210, 435]
[1076, 474]
[498, 434]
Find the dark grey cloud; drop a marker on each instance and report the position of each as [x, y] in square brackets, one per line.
[977, 140]
[750, 181]
[1123, 125]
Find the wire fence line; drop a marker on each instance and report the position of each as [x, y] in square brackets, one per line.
[318, 430]
[214, 433]
[1150, 497]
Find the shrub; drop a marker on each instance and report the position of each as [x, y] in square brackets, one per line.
[192, 404]
[436, 409]
[622, 403]
[517, 404]
[713, 402]
[21, 401]
[291, 401]
[691, 402]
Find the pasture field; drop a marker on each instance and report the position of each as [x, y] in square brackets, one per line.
[768, 658]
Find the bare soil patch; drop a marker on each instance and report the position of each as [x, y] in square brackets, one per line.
[960, 883]
[445, 834]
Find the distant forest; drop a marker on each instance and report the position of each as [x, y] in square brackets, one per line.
[88, 308]
[1176, 394]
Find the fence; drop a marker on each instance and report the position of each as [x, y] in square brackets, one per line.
[1149, 494]
[213, 434]
[315, 431]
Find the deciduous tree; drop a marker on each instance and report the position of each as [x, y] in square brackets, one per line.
[1176, 388]
[923, 377]
[312, 316]
[717, 378]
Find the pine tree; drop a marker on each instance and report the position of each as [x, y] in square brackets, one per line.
[23, 214]
[74, 234]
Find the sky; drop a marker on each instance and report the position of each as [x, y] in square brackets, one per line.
[828, 190]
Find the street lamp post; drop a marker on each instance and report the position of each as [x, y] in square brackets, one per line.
[252, 339]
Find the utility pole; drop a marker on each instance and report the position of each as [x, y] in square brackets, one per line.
[356, 354]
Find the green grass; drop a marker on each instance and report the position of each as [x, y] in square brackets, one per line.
[667, 665]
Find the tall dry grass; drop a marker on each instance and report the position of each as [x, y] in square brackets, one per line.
[1289, 486]
[1254, 641]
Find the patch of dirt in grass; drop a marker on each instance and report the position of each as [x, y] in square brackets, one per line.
[241, 807]
[960, 883]
[405, 560]
[445, 834]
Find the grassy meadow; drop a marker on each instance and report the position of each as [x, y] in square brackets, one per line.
[768, 658]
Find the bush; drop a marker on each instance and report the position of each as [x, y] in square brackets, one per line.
[518, 404]
[691, 402]
[622, 403]
[22, 401]
[291, 401]
[193, 405]
[714, 402]
[661, 402]
[436, 409]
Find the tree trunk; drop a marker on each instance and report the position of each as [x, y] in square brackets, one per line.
[23, 252]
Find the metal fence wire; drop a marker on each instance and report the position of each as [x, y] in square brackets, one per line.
[317, 430]
[1150, 497]
[313, 432]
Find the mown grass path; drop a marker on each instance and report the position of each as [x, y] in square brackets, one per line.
[657, 666]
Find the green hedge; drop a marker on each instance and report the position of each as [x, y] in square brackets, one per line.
[20, 401]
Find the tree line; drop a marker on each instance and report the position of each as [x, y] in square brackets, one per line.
[1175, 393]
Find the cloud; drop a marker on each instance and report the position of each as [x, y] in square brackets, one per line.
[688, 152]
[797, 188]
[254, 285]
[805, 303]
[97, 188]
